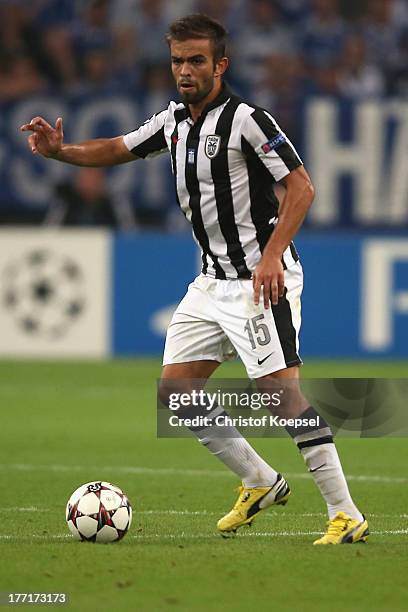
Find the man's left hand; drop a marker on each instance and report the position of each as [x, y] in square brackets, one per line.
[268, 274]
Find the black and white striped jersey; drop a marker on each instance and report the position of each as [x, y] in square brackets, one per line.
[224, 168]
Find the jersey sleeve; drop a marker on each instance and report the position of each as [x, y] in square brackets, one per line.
[149, 139]
[270, 144]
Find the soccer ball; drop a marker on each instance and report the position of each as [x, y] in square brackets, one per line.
[98, 512]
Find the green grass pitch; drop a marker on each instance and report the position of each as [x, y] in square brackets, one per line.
[64, 424]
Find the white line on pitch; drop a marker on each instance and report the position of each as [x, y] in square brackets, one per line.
[30, 509]
[30, 467]
[195, 536]
[257, 534]
[270, 514]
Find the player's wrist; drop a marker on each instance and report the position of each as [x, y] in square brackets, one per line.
[59, 154]
[273, 252]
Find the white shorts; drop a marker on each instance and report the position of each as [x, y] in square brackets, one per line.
[218, 320]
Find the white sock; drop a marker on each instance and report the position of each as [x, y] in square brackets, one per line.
[237, 454]
[324, 464]
[230, 447]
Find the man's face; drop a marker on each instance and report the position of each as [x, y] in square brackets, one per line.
[192, 64]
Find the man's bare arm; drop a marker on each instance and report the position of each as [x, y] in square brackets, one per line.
[98, 152]
[292, 211]
[49, 142]
[269, 273]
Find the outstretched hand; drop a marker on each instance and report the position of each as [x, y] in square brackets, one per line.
[44, 139]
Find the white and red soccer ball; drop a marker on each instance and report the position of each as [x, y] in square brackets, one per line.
[98, 512]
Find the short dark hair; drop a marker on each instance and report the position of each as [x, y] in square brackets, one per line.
[198, 26]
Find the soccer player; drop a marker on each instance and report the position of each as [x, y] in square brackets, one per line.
[226, 155]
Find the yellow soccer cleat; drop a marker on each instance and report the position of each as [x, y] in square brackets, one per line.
[343, 529]
[250, 502]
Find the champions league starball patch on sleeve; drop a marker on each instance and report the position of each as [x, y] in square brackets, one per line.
[273, 143]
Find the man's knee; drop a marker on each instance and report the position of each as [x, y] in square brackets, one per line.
[184, 378]
[286, 386]
[172, 391]
[167, 389]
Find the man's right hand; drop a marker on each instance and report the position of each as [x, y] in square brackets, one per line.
[44, 139]
[99, 152]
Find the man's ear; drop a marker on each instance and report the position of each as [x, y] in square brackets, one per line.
[221, 66]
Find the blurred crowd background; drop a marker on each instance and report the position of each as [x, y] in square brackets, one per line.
[282, 52]
[280, 49]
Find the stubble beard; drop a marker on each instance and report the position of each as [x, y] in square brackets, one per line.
[199, 95]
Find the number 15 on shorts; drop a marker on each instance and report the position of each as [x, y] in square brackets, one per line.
[257, 330]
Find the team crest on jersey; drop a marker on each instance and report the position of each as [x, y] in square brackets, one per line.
[212, 146]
